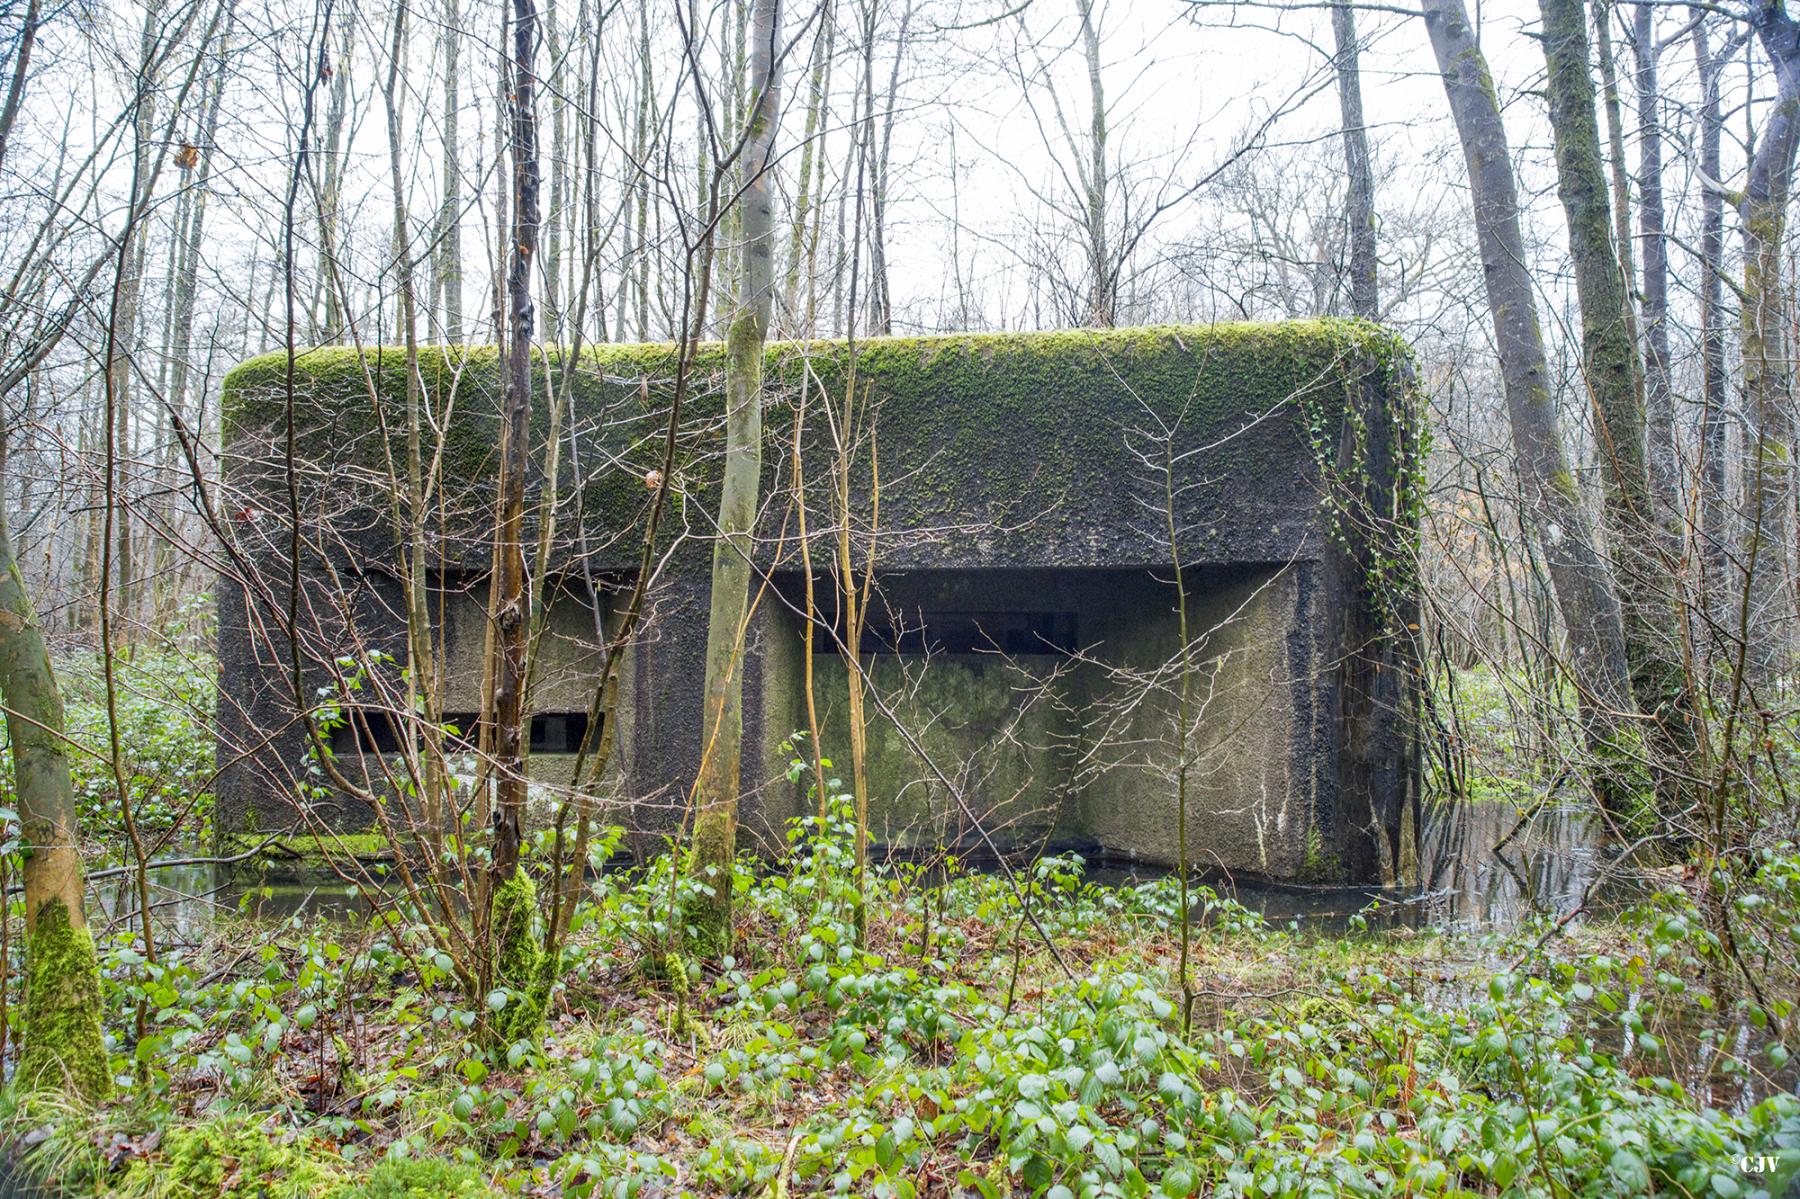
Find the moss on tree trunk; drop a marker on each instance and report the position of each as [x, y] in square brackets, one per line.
[62, 1040]
[521, 973]
[63, 1043]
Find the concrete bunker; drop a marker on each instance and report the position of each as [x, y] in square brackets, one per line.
[1023, 650]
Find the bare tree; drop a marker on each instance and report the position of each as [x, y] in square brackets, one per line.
[62, 1000]
[1365, 297]
[1584, 593]
[1715, 530]
[716, 789]
[513, 899]
[1659, 391]
[1613, 374]
[447, 283]
[1765, 620]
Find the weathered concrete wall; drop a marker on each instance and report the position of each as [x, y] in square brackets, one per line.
[1017, 475]
[1250, 785]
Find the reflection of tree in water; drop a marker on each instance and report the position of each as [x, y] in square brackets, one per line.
[188, 900]
[1475, 875]
[1486, 863]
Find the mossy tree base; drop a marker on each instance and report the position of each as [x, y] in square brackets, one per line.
[64, 1046]
[521, 970]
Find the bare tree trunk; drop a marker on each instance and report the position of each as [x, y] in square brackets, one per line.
[449, 282]
[1650, 603]
[553, 301]
[1659, 391]
[881, 300]
[716, 790]
[1550, 501]
[863, 150]
[1762, 209]
[592, 278]
[509, 599]
[62, 1040]
[1715, 509]
[703, 186]
[1615, 141]
[1359, 205]
[803, 240]
[21, 71]
[328, 317]
[182, 316]
[841, 250]
[499, 247]
[122, 368]
[634, 259]
[1103, 283]
[634, 263]
[421, 678]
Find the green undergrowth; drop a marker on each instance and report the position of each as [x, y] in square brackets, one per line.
[165, 697]
[995, 1035]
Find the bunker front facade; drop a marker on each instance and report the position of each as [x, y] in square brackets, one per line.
[1108, 574]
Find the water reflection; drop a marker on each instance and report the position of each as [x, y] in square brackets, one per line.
[1482, 866]
[187, 901]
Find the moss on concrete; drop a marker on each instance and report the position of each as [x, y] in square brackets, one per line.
[310, 850]
[1297, 442]
[1005, 428]
[63, 1044]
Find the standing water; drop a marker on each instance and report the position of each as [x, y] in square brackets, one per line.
[1482, 866]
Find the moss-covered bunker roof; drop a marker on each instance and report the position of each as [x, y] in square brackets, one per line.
[1042, 434]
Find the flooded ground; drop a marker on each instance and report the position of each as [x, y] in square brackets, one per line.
[1482, 867]
[188, 900]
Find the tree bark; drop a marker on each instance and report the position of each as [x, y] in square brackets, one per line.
[1359, 203]
[803, 239]
[508, 600]
[553, 301]
[716, 789]
[1615, 141]
[1549, 500]
[449, 282]
[62, 1039]
[1762, 210]
[422, 691]
[1659, 391]
[325, 311]
[1715, 509]
[881, 301]
[1650, 605]
[1103, 298]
